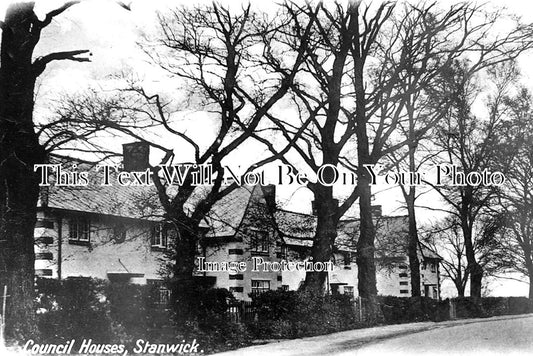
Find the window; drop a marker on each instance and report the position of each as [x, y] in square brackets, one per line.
[423, 265]
[402, 266]
[235, 251]
[159, 237]
[433, 267]
[44, 256]
[403, 275]
[280, 278]
[159, 293]
[118, 233]
[259, 287]
[259, 242]
[282, 251]
[79, 230]
[348, 290]
[404, 283]
[47, 224]
[236, 289]
[46, 272]
[236, 276]
[404, 291]
[347, 261]
[47, 240]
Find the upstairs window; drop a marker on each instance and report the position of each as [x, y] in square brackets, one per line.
[433, 267]
[347, 259]
[281, 251]
[259, 243]
[118, 233]
[79, 230]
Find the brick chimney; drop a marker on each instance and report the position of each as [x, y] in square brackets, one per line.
[269, 192]
[376, 211]
[314, 209]
[136, 156]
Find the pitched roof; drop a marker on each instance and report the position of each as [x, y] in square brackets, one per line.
[225, 217]
[107, 200]
[298, 229]
[141, 202]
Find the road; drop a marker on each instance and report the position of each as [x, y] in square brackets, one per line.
[497, 337]
[508, 335]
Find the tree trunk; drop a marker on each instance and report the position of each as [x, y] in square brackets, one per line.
[410, 197]
[184, 290]
[19, 151]
[526, 248]
[412, 247]
[366, 268]
[324, 239]
[460, 288]
[530, 295]
[475, 270]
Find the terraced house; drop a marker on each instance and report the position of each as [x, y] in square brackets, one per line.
[104, 232]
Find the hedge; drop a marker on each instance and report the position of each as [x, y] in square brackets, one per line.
[83, 308]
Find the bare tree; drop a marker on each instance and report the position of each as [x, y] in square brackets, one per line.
[516, 200]
[217, 57]
[20, 150]
[354, 95]
[446, 236]
[469, 25]
[447, 239]
[472, 144]
[322, 128]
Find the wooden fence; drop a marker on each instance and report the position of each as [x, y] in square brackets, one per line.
[242, 311]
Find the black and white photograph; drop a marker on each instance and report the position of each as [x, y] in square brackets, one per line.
[292, 177]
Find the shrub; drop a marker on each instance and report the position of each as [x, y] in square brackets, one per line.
[468, 307]
[519, 305]
[398, 310]
[72, 309]
[135, 314]
[211, 323]
[495, 306]
[288, 314]
[275, 305]
[214, 301]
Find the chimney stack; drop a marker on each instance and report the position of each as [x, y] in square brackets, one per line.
[314, 208]
[269, 192]
[136, 156]
[376, 211]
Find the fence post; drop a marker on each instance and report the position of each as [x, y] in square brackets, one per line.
[360, 304]
[453, 312]
[2, 321]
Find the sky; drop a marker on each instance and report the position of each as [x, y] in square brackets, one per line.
[112, 34]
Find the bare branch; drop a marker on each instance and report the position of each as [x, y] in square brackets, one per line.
[40, 63]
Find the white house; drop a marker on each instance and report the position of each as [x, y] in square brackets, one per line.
[102, 231]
